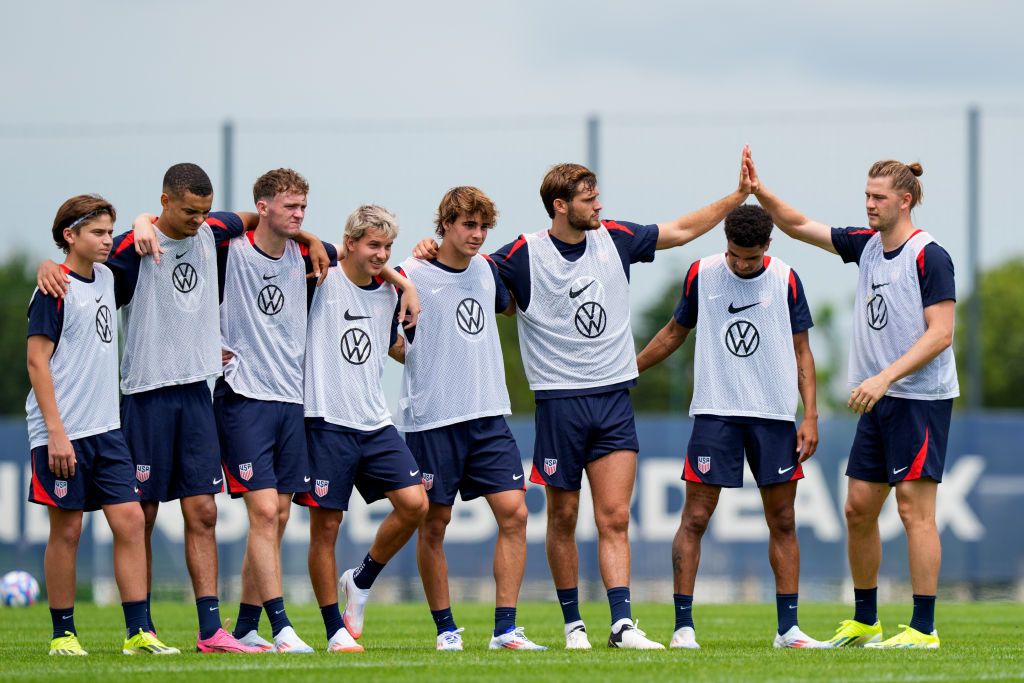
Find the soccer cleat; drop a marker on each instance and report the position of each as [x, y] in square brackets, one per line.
[686, 638]
[287, 641]
[67, 645]
[355, 604]
[450, 640]
[576, 637]
[854, 634]
[341, 641]
[630, 637]
[514, 640]
[253, 639]
[794, 638]
[222, 641]
[144, 642]
[909, 638]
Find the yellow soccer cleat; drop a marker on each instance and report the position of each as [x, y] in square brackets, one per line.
[67, 644]
[910, 638]
[855, 634]
[145, 642]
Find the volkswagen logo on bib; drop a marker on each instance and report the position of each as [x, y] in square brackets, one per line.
[270, 300]
[878, 312]
[470, 316]
[184, 277]
[355, 346]
[742, 338]
[591, 319]
[103, 329]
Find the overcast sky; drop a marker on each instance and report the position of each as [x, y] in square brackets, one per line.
[396, 102]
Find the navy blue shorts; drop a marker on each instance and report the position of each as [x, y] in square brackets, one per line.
[104, 475]
[172, 436]
[901, 439]
[262, 443]
[577, 430]
[717, 445]
[374, 462]
[475, 458]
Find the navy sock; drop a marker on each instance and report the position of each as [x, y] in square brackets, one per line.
[569, 599]
[618, 601]
[865, 605]
[684, 610]
[332, 619]
[134, 617]
[248, 619]
[444, 620]
[785, 607]
[924, 613]
[63, 620]
[504, 620]
[149, 613]
[209, 615]
[275, 612]
[367, 572]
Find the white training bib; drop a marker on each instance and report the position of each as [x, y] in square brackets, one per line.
[889, 318]
[454, 369]
[576, 332]
[84, 364]
[172, 323]
[744, 362]
[347, 345]
[263, 322]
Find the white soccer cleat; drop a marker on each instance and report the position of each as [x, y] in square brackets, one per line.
[287, 641]
[794, 637]
[341, 641]
[355, 604]
[253, 639]
[450, 640]
[576, 636]
[630, 637]
[514, 640]
[685, 638]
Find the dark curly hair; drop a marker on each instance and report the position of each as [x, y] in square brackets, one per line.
[748, 225]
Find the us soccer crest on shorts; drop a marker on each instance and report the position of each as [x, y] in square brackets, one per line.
[245, 471]
[704, 464]
[142, 472]
[550, 466]
[60, 488]
[428, 481]
[321, 487]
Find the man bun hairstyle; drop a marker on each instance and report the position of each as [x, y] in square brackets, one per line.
[273, 183]
[77, 212]
[183, 178]
[465, 201]
[748, 225]
[904, 177]
[565, 181]
[371, 217]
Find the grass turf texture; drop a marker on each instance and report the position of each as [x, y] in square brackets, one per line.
[980, 641]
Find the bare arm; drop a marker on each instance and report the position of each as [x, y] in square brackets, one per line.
[939, 320]
[807, 433]
[61, 452]
[795, 224]
[397, 350]
[409, 310]
[664, 343]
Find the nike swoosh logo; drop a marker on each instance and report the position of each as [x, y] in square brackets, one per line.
[737, 309]
[683, 609]
[414, 473]
[67, 616]
[516, 477]
[305, 480]
[874, 286]
[278, 612]
[218, 481]
[435, 291]
[715, 296]
[177, 256]
[575, 293]
[214, 609]
[897, 471]
[783, 471]
[349, 316]
[792, 607]
[99, 298]
[627, 600]
[270, 277]
[564, 603]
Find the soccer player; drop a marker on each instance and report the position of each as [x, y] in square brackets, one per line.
[752, 359]
[452, 409]
[351, 439]
[80, 461]
[172, 347]
[903, 379]
[570, 283]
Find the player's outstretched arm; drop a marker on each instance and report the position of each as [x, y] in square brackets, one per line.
[692, 225]
[61, 452]
[790, 221]
[664, 343]
[409, 304]
[938, 336]
[807, 432]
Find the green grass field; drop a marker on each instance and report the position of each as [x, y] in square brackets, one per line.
[981, 641]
